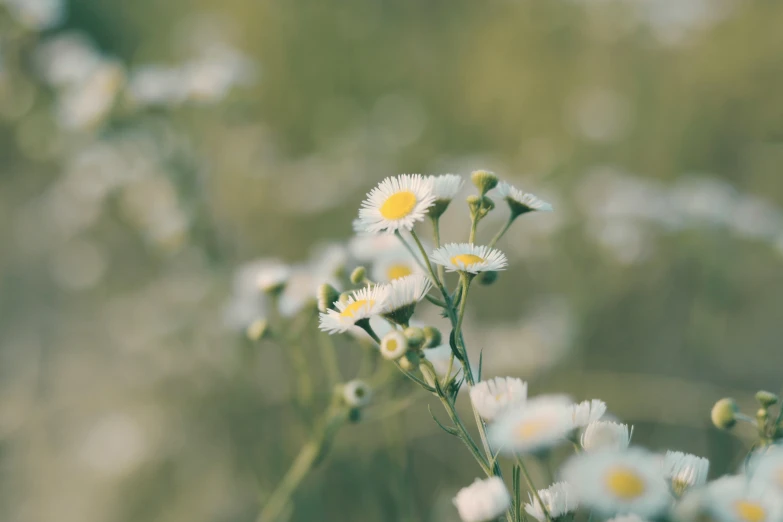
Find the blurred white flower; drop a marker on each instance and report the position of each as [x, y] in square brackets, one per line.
[357, 393]
[587, 411]
[66, 59]
[559, 499]
[493, 396]
[394, 264]
[85, 104]
[483, 500]
[38, 15]
[601, 435]
[738, 499]
[538, 424]
[685, 470]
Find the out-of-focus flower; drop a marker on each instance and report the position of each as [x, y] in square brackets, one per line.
[587, 411]
[37, 15]
[85, 104]
[394, 265]
[559, 499]
[66, 59]
[357, 393]
[483, 500]
[602, 435]
[738, 499]
[685, 470]
[493, 396]
[538, 424]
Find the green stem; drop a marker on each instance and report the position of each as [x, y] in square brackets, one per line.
[533, 488]
[465, 283]
[436, 238]
[435, 301]
[502, 231]
[473, 226]
[411, 252]
[301, 467]
[431, 271]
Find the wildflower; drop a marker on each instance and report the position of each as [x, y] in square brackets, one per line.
[394, 345]
[493, 396]
[445, 187]
[600, 435]
[397, 203]
[735, 499]
[539, 424]
[484, 180]
[483, 500]
[272, 278]
[587, 411]
[403, 296]
[559, 499]
[394, 265]
[357, 393]
[767, 467]
[685, 470]
[521, 202]
[465, 257]
[362, 304]
[613, 482]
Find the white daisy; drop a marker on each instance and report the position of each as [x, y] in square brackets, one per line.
[538, 424]
[587, 411]
[273, 277]
[493, 396]
[465, 257]
[394, 265]
[446, 186]
[396, 203]
[521, 202]
[483, 500]
[559, 499]
[394, 345]
[300, 290]
[618, 482]
[601, 435]
[403, 295]
[362, 304]
[685, 470]
[735, 499]
[357, 393]
[767, 467]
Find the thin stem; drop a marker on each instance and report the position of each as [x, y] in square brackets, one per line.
[435, 301]
[502, 231]
[436, 238]
[533, 488]
[364, 324]
[473, 226]
[465, 282]
[410, 250]
[426, 259]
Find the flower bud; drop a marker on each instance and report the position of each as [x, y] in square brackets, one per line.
[257, 329]
[474, 204]
[484, 180]
[415, 337]
[358, 275]
[767, 399]
[356, 393]
[724, 413]
[327, 295]
[394, 345]
[432, 337]
[487, 278]
[487, 205]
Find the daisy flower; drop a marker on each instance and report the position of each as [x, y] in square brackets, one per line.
[538, 424]
[466, 257]
[767, 467]
[362, 304]
[685, 470]
[614, 482]
[394, 345]
[495, 395]
[272, 278]
[402, 297]
[601, 435]
[445, 187]
[559, 499]
[394, 265]
[397, 203]
[357, 393]
[735, 499]
[587, 411]
[521, 202]
[483, 500]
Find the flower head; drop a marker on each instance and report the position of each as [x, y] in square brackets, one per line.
[397, 203]
[559, 499]
[767, 467]
[601, 435]
[445, 187]
[538, 424]
[362, 304]
[273, 278]
[394, 264]
[587, 411]
[685, 470]
[736, 499]
[616, 482]
[403, 295]
[466, 257]
[483, 500]
[521, 202]
[493, 396]
[394, 345]
[357, 393]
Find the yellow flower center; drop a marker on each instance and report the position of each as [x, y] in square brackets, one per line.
[356, 306]
[625, 483]
[391, 345]
[750, 511]
[466, 260]
[398, 205]
[398, 271]
[531, 427]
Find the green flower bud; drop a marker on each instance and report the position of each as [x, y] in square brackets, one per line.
[724, 413]
[355, 415]
[474, 204]
[487, 205]
[432, 337]
[484, 180]
[327, 295]
[257, 329]
[415, 337]
[487, 278]
[358, 275]
[767, 399]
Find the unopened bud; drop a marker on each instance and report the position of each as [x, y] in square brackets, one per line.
[487, 278]
[432, 337]
[257, 329]
[724, 413]
[486, 206]
[415, 337]
[474, 203]
[767, 399]
[358, 275]
[484, 180]
[327, 295]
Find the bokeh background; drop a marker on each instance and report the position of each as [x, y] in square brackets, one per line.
[152, 151]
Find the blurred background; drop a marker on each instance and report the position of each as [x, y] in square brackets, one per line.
[151, 152]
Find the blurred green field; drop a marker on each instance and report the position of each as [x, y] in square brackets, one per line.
[654, 126]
